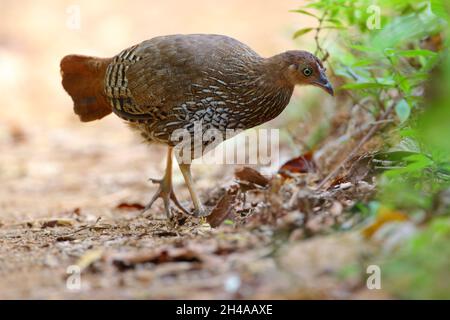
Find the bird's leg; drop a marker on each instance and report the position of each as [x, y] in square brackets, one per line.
[199, 210]
[165, 189]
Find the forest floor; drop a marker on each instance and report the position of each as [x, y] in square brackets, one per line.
[70, 201]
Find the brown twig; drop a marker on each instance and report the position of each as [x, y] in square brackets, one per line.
[316, 37]
[376, 125]
[84, 228]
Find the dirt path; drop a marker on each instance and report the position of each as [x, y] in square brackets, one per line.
[59, 208]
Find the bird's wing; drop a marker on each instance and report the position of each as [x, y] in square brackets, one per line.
[164, 73]
[166, 69]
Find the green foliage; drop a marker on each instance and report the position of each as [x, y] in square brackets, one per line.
[427, 171]
[301, 32]
[385, 64]
[403, 110]
[401, 68]
[420, 269]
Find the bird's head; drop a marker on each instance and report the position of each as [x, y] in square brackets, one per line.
[304, 68]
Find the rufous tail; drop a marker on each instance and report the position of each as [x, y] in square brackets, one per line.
[82, 78]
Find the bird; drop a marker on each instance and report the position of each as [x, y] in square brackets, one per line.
[169, 83]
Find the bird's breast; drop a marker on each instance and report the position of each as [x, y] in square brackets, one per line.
[238, 107]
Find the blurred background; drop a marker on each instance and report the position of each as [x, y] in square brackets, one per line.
[35, 36]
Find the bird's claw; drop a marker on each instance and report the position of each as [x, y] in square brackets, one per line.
[154, 180]
[165, 192]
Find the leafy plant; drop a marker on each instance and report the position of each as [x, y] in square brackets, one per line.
[385, 61]
[391, 58]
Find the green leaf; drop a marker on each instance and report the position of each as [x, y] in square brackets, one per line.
[402, 110]
[408, 132]
[365, 85]
[438, 8]
[333, 27]
[335, 21]
[305, 13]
[416, 163]
[363, 63]
[402, 30]
[416, 53]
[301, 32]
[361, 48]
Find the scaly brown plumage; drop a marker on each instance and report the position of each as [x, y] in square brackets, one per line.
[171, 82]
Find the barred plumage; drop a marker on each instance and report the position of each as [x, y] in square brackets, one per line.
[209, 78]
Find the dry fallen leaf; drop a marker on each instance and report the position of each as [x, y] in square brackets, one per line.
[222, 209]
[126, 261]
[385, 215]
[57, 223]
[88, 258]
[301, 164]
[251, 175]
[130, 206]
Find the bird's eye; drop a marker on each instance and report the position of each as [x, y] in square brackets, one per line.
[307, 72]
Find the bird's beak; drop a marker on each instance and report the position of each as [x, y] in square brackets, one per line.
[324, 84]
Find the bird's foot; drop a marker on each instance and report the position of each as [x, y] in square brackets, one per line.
[165, 192]
[201, 212]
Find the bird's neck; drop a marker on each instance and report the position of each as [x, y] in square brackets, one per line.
[275, 70]
[267, 92]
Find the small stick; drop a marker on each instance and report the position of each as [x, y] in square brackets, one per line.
[83, 228]
[376, 125]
